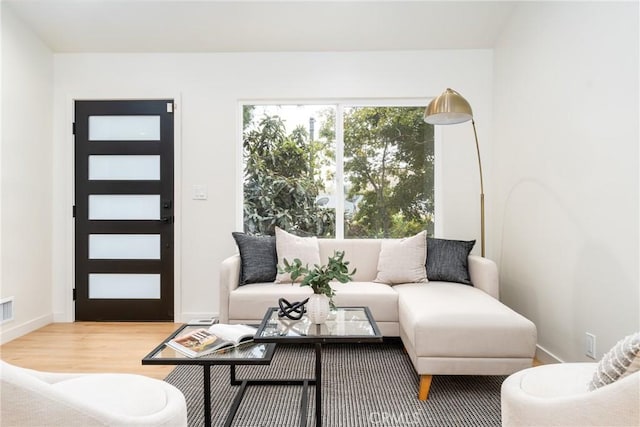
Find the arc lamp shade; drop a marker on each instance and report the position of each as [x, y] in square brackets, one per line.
[449, 108]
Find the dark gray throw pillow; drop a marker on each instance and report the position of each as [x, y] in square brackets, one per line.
[447, 260]
[258, 256]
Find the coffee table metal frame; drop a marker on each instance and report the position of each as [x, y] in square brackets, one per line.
[285, 332]
[156, 357]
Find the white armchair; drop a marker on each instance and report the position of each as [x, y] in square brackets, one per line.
[33, 398]
[558, 395]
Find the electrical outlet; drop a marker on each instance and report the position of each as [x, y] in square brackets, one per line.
[590, 345]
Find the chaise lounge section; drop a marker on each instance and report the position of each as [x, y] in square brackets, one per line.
[447, 328]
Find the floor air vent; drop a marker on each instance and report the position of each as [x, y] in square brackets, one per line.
[6, 310]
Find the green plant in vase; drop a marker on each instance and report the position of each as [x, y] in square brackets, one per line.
[318, 278]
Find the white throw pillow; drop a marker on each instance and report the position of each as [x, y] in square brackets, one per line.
[622, 360]
[403, 260]
[289, 246]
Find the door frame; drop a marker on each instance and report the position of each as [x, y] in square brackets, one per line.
[65, 292]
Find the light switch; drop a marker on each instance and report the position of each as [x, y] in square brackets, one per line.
[199, 192]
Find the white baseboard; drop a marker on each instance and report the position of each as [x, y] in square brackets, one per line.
[546, 357]
[9, 333]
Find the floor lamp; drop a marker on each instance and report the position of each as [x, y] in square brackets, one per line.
[451, 108]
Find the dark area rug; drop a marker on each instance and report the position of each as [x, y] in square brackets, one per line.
[363, 385]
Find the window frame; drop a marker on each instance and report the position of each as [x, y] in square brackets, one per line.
[340, 105]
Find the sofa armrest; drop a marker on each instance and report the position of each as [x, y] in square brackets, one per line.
[229, 280]
[8, 370]
[484, 275]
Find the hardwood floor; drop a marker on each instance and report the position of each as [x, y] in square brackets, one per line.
[90, 347]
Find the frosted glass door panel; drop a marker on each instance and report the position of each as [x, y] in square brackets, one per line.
[119, 168]
[124, 128]
[124, 286]
[124, 246]
[124, 206]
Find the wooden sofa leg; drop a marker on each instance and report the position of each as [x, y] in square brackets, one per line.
[425, 385]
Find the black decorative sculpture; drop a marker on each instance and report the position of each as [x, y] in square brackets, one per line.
[293, 311]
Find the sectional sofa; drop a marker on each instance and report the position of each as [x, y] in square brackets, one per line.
[447, 328]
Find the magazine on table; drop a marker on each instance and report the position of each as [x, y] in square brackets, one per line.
[202, 341]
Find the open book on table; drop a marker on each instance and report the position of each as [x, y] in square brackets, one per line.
[202, 341]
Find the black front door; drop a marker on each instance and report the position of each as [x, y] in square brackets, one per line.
[124, 210]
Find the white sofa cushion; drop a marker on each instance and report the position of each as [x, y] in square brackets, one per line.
[381, 299]
[362, 255]
[462, 321]
[290, 247]
[116, 393]
[250, 302]
[556, 380]
[403, 260]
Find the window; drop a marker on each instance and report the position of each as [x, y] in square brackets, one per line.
[337, 170]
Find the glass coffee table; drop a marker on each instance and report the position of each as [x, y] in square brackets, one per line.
[251, 353]
[344, 325]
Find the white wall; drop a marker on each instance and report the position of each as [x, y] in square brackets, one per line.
[26, 173]
[210, 87]
[565, 171]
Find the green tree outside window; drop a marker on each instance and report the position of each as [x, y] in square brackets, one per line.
[388, 173]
